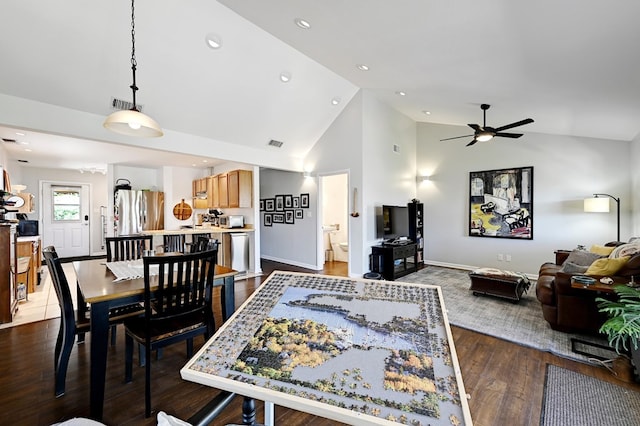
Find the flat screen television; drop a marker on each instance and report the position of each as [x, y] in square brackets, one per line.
[392, 222]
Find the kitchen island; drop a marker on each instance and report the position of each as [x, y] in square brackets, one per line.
[229, 253]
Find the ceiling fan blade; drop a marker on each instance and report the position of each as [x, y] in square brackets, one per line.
[509, 135]
[472, 142]
[457, 137]
[516, 124]
[475, 127]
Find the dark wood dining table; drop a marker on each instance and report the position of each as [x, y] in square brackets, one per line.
[97, 287]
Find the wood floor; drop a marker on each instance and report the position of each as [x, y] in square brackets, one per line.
[505, 381]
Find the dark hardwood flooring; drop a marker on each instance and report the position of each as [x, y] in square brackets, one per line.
[505, 380]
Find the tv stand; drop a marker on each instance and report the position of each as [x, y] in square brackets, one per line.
[393, 261]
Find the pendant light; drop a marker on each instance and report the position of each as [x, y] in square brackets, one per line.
[132, 122]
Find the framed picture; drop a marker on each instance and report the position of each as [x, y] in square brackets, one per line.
[288, 216]
[269, 205]
[288, 201]
[279, 203]
[299, 214]
[501, 203]
[268, 219]
[304, 201]
[296, 202]
[261, 205]
[278, 218]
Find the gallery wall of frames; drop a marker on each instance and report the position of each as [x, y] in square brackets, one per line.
[283, 209]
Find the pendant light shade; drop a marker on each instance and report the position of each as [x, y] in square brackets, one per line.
[133, 123]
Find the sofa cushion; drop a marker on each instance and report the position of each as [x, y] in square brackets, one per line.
[601, 250]
[572, 268]
[606, 266]
[582, 258]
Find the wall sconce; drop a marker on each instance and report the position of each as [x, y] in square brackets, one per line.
[421, 179]
[306, 174]
[601, 205]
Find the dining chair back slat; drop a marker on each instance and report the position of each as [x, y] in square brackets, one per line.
[127, 247]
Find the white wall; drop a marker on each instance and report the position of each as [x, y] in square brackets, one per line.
[634, 160]
[566, 170]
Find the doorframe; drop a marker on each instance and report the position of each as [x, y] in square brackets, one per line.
[320, 221]
[41, 185]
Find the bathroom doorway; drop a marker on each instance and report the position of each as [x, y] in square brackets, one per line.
[334, 211]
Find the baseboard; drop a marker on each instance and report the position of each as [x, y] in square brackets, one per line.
[533, 277]
[291, 262]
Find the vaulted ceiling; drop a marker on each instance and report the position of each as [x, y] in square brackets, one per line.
[572, 66]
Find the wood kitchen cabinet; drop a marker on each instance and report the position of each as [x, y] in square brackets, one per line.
[8, 299]
[240, 188]
[30, 247]
[213, 192]
[29, 205]
[199, 186]
[223, 190]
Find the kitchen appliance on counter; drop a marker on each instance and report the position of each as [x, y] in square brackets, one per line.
[137, 211]
[231, 221]
[212, 217]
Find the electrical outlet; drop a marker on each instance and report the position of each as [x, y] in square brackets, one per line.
[500, 257]
[508, 258]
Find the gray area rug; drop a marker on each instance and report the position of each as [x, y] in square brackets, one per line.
[573, 399]
[520, 323]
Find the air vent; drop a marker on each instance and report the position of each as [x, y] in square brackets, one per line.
[9, 140]
[119, 104]
[396, 148]
[275, 143]
[23, 161]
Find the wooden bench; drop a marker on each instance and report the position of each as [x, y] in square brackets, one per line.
[499, 283]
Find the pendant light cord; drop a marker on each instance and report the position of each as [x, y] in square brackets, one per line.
[134, 63]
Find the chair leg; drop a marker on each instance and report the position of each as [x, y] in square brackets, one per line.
[147, 385]
[128, 357]
[63, 361]
[189, 348]
[113, 334]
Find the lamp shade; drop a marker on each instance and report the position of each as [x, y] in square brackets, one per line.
[133, 123]
[596, 205]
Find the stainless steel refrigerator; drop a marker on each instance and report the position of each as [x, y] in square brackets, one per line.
[137, 211]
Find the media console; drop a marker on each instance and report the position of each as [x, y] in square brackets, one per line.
[394, 261]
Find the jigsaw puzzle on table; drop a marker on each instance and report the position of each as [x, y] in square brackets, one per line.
[376, 348]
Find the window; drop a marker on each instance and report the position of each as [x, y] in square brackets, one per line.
[66, 204]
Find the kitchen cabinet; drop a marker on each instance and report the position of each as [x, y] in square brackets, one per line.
[30, 247]
[213, 197]
[223, 190]
[8, 299]
[224, 248]
[240, 188]
[199, 186]
[29, 205]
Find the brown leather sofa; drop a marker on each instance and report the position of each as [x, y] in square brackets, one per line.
[574, 310]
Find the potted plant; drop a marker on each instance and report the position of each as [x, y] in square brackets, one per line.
[623, 326]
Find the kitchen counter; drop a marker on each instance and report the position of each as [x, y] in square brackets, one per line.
[198, 229]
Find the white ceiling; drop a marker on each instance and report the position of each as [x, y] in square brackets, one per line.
[572, 66]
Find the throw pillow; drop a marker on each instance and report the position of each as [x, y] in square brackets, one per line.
[572, 268]
[606, 266]
[601, 250]
[582, 258]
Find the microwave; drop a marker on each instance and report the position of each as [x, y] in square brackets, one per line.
[231, 221]
[28, 228]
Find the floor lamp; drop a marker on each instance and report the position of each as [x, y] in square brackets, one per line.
[601, 205]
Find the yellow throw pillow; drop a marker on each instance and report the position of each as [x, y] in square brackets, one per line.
[601, 250]
[606, 266]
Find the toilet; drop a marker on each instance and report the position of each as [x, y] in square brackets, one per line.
[344, 246]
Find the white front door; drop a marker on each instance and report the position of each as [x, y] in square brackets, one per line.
[65, 218]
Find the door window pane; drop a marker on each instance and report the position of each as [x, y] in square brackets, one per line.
[66, 204]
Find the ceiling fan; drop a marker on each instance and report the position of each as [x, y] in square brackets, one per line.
[486, 133]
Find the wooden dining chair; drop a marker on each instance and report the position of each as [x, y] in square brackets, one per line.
[127, 247]
[174, 243]
[204, 243]
[71, 323]
[177, 302]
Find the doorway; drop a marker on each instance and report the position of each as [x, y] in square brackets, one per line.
[65, 218]
[334, 213]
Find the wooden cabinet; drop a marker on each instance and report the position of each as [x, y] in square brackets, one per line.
[8, 299]
[240, 184]
[394, 261]
[223, 191]
[199, 186]
[31, 248]
[213, 197]
[29, 205]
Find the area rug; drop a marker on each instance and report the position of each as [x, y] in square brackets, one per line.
[573, 399]
[520, 323]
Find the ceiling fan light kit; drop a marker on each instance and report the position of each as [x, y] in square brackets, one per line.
[485, 133]
[132, 122]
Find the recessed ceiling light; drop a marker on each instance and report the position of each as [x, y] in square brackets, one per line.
[335, 101]
[213, 41]
[362, 67]
[301, 23]
[426, 112]
[205, 161]
[401, 93]
[19, 133]
[285, 77]
[22, 143]
[28, 149]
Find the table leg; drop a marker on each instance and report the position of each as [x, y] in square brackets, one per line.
[99, 346]
[269, 413]
[248, 411]
[228, 294]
